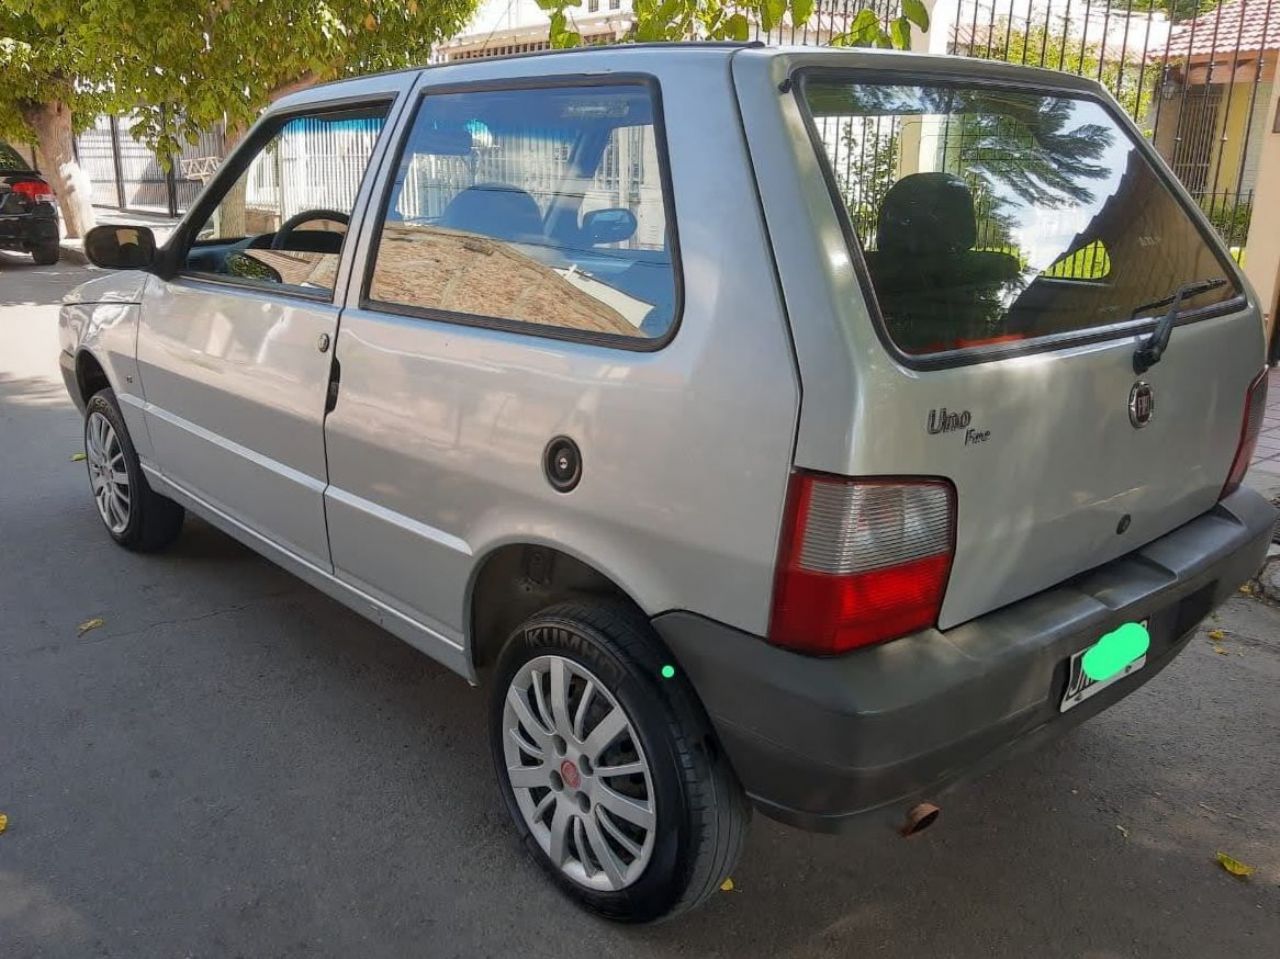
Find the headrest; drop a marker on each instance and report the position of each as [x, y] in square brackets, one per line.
[496, 210]
[927, 213]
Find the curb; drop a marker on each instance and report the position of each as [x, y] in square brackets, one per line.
[73, 253]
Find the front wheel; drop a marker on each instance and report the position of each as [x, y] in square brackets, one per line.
[46, 254]
[134, 514]
[609, 767]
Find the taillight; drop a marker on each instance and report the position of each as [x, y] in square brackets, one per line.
[1255, 408]
[862, 561]
[36, 191]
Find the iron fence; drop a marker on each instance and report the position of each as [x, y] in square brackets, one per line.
[1197, 83]
[125, 173]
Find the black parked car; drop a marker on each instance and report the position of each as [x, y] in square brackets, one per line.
[28, 217]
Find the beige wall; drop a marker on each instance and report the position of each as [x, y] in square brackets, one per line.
[1262, 259]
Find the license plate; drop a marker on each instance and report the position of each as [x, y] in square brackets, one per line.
[1080, 687]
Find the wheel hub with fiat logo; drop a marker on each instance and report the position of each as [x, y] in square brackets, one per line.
[1142, 404]
[569, 773]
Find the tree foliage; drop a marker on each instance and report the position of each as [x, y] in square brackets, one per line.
[721, 20]
[232, 57]
[179, 66]
[182, 65]
[44, 59]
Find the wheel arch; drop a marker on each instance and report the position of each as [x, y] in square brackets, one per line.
[513, 580]
[91, 375]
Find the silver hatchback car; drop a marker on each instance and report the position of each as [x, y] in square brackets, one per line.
[793, 428]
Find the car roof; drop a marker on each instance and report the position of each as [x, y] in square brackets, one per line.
[606, 58]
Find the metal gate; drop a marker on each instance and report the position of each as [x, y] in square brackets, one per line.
[1196, 75]
[128, 175]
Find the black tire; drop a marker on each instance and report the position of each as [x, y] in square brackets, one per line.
[46, 254]
[701, 811]
[154, 520]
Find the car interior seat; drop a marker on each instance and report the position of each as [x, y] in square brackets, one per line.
[496, 210]
[935, 290]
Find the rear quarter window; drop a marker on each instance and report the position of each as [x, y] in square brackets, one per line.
[989, 216]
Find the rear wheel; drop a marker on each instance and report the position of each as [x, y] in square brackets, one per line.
[610, 771]
[135, 515]
[46, 254]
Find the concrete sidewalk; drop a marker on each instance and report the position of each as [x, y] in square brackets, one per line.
[161, 226]
[1267, 456]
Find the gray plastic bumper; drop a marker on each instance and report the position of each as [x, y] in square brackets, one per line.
[818, 742]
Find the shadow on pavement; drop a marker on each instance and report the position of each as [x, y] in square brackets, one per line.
[234, 764]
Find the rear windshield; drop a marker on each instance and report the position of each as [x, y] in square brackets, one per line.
[991, 216]
[11, 159]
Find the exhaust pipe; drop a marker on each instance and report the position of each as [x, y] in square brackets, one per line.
[919, 818]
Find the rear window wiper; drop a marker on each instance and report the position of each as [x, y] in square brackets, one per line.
[1151, 349]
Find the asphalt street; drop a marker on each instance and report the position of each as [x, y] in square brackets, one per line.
[235, 765]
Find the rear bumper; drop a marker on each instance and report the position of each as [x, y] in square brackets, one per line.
[20, 231]
[818, 743]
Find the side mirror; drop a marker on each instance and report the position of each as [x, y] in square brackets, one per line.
[117, 247]
[609, 226]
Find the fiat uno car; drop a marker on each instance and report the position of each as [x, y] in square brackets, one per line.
[793, 429]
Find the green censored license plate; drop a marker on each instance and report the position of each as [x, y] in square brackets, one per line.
[1120, 653]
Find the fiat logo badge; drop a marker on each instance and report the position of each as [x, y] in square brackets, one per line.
[1142, 404]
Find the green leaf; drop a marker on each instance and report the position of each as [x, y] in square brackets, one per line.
[737, 27]
[771, 13]
[900, 33]
[801, 11]
[647, 31]
[865, 29]
[915, 11]
[560, 35]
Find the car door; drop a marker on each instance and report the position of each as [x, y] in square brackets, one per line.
[234, 350]
[517, 260]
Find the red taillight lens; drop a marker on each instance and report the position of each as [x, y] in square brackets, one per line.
[36, 191]
[1255, 408]
[861, 561]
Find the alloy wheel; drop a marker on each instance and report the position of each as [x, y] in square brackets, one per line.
[108, 475]
[579, 773]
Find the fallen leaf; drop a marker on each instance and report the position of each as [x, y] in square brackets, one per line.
[1221, 651]
[1247, 589]
[1234, 866]
[4, 822]
[1124, 832]
[89, 624]
[1217, 635]
[77, 457]
[727, 885]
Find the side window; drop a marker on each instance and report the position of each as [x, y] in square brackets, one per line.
[284, 220]
[538, 206]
